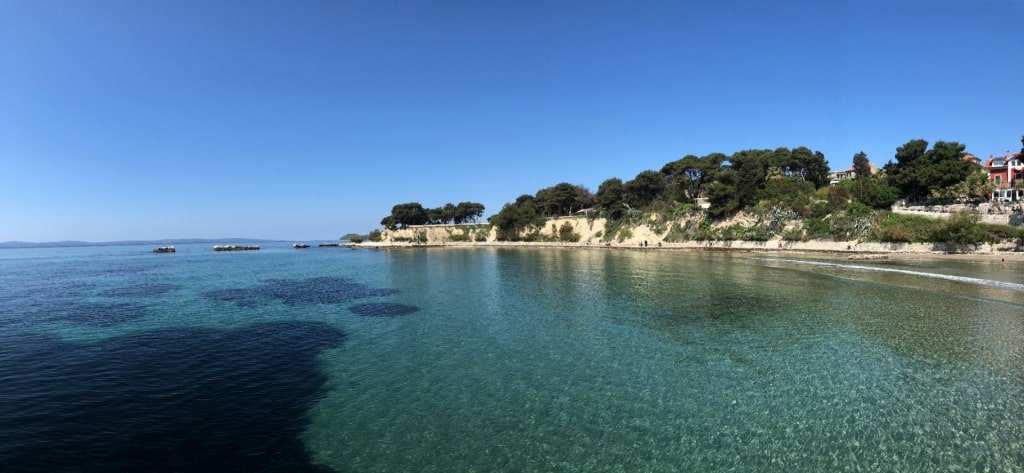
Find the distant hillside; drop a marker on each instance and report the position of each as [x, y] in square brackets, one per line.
[171, 241]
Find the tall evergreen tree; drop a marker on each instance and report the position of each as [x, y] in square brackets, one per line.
[861, 166]
[609, 198]
[919, 172]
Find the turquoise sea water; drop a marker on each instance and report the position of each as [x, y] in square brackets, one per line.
[114, 358]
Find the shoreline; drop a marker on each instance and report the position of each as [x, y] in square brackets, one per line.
[592, 234]
[849, 250]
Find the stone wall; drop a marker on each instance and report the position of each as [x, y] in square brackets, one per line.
[999, 215]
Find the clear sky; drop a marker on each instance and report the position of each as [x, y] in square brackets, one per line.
[126, 119]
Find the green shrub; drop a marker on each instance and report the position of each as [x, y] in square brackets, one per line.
[895, 234]
[817, 228]
[676, 234]
[375, 236]
[858, 209]
[537, 236]
[961, 228]
[611, 228]
[734, 232]
[875, 193]
[658, 225]
[995, 233]
[755, 234]
[820, 210]
[566, 233]
[900, 228]
[794, 234]
[684, 209]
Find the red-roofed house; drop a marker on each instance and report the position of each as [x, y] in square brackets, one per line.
[1007, 173]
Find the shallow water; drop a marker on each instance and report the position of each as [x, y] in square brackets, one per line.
[114, 358]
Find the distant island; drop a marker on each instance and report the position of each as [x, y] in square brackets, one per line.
[179, 241]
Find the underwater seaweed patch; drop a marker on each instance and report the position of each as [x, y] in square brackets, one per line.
[382, 309]
[141, 290]
[96, 314]
[319, 290]
[160, 401]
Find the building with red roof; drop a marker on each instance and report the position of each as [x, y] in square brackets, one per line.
[1007, 173]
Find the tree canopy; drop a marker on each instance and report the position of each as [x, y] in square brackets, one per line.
[791, 177]
[869, 189]
[516, 217]
[412, 213]
[609, 198]
[643, 189]
[562, 199]
[687, 177]
[919, 172]
[861, 166]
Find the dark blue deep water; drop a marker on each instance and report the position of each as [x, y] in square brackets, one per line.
[118, 359]
[174, 396]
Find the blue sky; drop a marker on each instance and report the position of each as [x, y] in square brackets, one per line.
[310, 119]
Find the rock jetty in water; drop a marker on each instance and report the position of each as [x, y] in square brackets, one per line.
[300, 245]
[235, 247]
[164, 249]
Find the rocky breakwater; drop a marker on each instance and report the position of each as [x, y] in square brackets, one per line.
[164, 249]
[235, 247]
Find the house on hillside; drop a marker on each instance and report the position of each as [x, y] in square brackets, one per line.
[1007, 173]
[848, 173]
